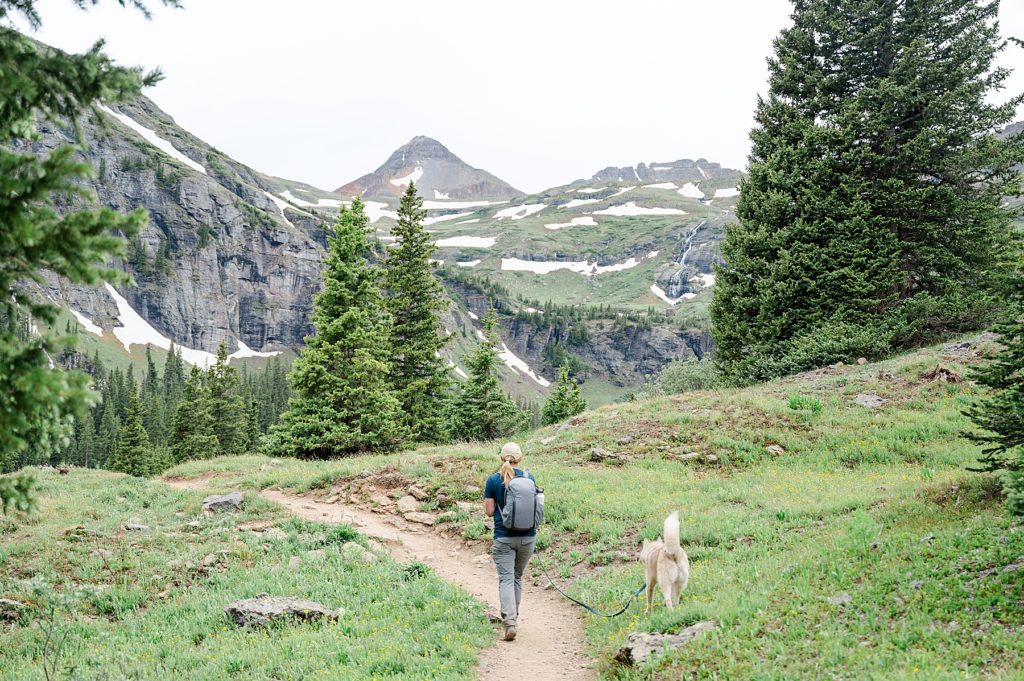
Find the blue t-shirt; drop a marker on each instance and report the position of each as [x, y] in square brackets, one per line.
[495, 489]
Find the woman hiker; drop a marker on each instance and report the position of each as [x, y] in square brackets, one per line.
[512, 549]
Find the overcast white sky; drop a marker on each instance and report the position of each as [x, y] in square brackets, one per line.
[538, 92]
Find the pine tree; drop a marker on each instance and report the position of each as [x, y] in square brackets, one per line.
[565, 400]
[110, 425]
[415, 299]
[47, 86]
[343, 402]
[871, 217]
[481, 410]
[132, 451]
[226, 405]
[193, 434]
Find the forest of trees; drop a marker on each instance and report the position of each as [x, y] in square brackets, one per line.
[143, 424]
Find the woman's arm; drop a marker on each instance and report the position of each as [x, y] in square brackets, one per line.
[489, 507]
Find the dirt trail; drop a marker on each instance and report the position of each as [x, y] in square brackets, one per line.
[549, 646]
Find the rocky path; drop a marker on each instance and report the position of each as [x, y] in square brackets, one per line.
[549, 646]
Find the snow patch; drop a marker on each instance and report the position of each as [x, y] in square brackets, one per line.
[661, 185]
[443, 218]
[468, 263]
[691, 191]
[519, 366]
[727, 193]
[591, 190]
[135, 330]
[706, 280]
[87, 323]
[154, 139]
[440, 195]
[466, 222]
[375, 210]
[414, 176]
[585, 221]
[281, 205]
[660, 292]
[455, 205]
[467, 242]
[472, 315]
[583, 267]
[630, 208]
[623, 191]
[520, 212]
[578, 202]
[320, 203]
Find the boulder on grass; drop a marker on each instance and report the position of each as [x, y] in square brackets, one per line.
[639, 646]
[260, 611]
[223, 502]
[10, 610]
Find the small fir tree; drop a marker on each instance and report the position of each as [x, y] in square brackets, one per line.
[343, 401]
[226, 405]
[193, 436]
[481, 410]
[565, 400]
[416, 299]
[132, 452]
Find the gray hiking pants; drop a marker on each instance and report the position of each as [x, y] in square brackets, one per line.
[511, 554]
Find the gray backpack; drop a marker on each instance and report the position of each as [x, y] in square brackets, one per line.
[524, 504]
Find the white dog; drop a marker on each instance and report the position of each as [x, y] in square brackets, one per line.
[666, 564]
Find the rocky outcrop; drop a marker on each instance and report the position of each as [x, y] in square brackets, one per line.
[621, 352]
[640, 646]
[437, 172]
[683, 170]
[217, 503]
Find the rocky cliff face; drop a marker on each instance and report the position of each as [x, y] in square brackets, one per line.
[220, 258]
[621, 352]
[438, 173]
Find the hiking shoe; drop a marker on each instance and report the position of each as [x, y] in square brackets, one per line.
[510, 633]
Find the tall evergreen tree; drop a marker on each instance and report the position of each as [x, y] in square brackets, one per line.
[193, 435]
[132, 451]
[565, 400]
[45, 86]
[226, 405]
[871, 217]
[481, 410]
[415, 299]
[343, 402]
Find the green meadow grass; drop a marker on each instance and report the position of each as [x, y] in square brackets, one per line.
[865, 550]
[149, 610]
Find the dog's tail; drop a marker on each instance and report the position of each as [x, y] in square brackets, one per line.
[672, 533]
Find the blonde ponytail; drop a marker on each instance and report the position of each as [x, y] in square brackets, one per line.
[510, 455]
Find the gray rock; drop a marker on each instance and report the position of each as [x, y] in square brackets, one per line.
[223, 502]
[841, 599]
[260, 611]
[639, 646]
[421, 518]
[775, 450]
[418, 492]
[472, 489]
[917, 584]
[625, 440]
[869, 400]
[408, 504]
[467, 506]
[353, 551]
[135, 527]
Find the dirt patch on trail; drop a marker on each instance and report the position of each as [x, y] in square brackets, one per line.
[550, 636]
[550, 633]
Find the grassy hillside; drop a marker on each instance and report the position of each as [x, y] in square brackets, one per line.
[862, 550]
[149, 604]
[828, 539]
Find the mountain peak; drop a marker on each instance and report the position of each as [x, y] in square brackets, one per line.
[437, 172]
